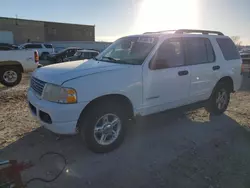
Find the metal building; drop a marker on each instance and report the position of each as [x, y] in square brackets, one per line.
[42, 31]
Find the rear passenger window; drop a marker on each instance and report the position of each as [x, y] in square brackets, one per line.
[210, 51]
[228, 48]
[198, 51]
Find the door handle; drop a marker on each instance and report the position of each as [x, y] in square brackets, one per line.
[183, 73]
[217, 67]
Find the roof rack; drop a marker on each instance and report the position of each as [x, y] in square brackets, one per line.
[182, 31]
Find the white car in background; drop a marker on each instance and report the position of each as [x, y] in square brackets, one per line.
[15, 62]
[135, 76]
[43, 49]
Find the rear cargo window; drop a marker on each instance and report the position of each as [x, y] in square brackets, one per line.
[228, 48]
[48, 46]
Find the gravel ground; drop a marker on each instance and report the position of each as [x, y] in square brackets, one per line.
[177, 148]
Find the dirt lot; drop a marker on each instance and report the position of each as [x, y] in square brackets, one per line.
[178, 148]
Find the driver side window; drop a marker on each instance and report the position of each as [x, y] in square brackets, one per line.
[170, 54]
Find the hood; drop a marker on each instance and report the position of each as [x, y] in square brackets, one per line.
[61, 72]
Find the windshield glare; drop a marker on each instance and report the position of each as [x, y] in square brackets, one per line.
[128, 50]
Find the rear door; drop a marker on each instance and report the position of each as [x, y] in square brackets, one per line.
[205, 70]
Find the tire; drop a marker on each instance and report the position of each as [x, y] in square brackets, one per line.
[93, 118]
[10, 76]
[214, 105]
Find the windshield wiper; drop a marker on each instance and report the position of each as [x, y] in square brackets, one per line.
[110, 58]
[113, 60]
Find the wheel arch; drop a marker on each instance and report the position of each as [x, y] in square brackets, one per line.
[228, 81]
[12, 64]
[225, 80]
[122, 100]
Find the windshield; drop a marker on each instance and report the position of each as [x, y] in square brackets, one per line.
[128, 50]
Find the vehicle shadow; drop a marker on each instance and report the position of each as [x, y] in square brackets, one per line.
[184, 147]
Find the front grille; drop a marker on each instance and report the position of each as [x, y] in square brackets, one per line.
[37, 85]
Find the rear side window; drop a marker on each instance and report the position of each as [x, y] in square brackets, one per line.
[228, 49]
[48, 46]
[198, 51]
[93, 54]
[33, 46]
[210, 51]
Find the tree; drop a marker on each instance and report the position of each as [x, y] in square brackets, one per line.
[236, 40]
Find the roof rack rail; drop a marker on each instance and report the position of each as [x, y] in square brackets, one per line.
[204, 32]
[182, 31]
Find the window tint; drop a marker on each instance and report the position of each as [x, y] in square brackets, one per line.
[169, 54]
[228, 48]
[210, 51]
[28, 46]
[93, 54]
[196, 51]
[85, 55]
[48, 46]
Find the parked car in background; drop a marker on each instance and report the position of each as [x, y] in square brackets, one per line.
[6, 46]
[58, 49]
[65, 53]
[245, 56]
[82, 54]
[43, 49]
[137, 75]
[15, 62]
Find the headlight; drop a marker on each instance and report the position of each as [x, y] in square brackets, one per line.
[59, 94]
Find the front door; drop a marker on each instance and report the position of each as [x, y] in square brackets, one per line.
[167, 79]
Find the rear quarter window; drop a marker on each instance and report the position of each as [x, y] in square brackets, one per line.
[228, 49]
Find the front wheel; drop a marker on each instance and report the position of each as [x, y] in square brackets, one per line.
[10, 76]
[103, 128]
[219, 100]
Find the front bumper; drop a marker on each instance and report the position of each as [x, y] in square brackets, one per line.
[63, 117]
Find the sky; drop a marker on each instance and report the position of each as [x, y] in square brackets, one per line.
[117, 18]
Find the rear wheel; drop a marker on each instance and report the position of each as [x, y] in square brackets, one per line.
[103, 128]
[219, 100]
[10, 76]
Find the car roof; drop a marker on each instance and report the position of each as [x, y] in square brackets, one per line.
[183, 32]
[73, 48]
[87, 51]
[36, 43]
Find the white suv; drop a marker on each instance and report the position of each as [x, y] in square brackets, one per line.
[43, 49]
[136, 75]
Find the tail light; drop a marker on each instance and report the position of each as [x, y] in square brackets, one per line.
[36, 56]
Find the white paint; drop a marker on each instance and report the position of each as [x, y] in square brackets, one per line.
[25, 57]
